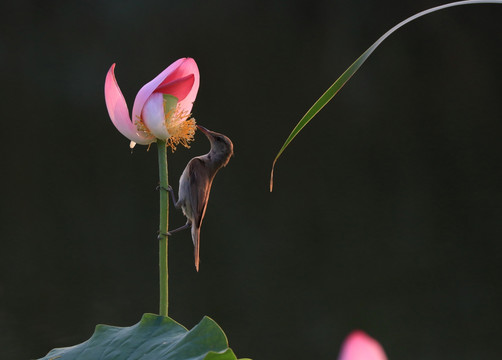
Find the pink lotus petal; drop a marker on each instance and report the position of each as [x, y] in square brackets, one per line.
[147, 90]
[359, 346]
[153, 115]
[179, 88]
[190, 67]
[118, 111]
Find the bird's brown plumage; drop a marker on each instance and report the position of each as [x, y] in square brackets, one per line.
[196, 181]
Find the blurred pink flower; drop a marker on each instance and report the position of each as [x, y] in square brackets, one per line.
[162, 107]
[359, 346]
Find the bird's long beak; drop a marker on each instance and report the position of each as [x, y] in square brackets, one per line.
[206, 132]
[203, 129]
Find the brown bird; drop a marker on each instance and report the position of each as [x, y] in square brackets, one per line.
[195, 184]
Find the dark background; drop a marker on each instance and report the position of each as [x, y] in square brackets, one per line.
[386, 214]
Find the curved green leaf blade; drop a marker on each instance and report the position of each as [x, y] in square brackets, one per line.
[340, 82]
[155, 337]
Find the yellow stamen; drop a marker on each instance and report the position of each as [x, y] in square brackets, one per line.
[141, 127]
[180, 126]
[178, 122]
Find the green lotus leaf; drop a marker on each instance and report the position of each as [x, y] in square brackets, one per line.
[155, 337]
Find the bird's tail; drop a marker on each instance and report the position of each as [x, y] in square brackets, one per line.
[196, 244]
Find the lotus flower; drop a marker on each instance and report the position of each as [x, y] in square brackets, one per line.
[162, 108]
[359, 346]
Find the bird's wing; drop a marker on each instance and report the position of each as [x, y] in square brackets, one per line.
[200, 186]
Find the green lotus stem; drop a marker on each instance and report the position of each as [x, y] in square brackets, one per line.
[163, 225]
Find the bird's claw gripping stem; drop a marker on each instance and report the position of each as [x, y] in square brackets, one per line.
[186, 226]
[171, 191]
[161, 235]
